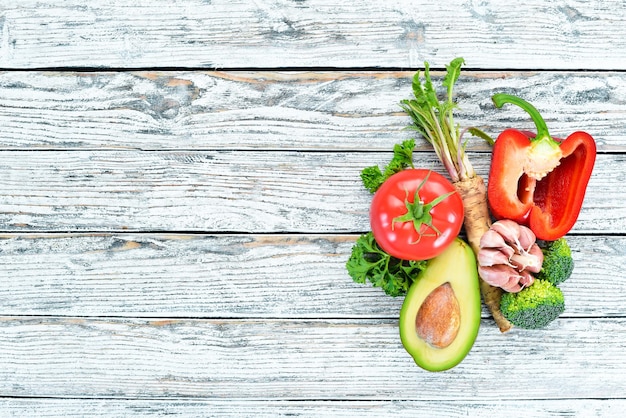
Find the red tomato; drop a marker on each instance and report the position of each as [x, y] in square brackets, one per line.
[411, 231]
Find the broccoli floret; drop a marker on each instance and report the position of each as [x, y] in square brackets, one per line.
[533, 307]
[558, 263]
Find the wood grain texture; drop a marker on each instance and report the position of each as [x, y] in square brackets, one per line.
[239, 276]
[238, 408]
[300, 360]
[326, 111]
[228, 191]
[174, 242]
[567, 34]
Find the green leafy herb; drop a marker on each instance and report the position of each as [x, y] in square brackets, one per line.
[373, 177]
[480, 134]
[433, 119]
[369, 263]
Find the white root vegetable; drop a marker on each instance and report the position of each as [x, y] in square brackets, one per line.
[433, 119]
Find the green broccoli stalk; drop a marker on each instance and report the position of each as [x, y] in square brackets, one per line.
[558, 263]
[533, 307]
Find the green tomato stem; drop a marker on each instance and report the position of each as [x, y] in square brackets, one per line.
[419, 213]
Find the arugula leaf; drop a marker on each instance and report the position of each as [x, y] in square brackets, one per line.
[482, 135]
[434, 120]
[452, 75]
[373, 177]
[418, 91]
[429, 89]
[368, 262]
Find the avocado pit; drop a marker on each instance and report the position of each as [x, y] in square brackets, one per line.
[438, 319]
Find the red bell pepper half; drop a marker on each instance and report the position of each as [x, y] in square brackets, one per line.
[537, 180]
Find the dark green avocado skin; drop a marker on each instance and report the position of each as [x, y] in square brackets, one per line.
[456, 266]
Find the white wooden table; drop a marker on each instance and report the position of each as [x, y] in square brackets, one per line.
[180, 192]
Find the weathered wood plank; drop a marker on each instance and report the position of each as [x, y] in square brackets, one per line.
[284, 110]
[239, 276]
[238, 408]
[567, 34]
[301, 360]
[227, 191]
[280, 329]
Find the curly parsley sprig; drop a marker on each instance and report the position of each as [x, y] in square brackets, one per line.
[373, 177]
[369, 262]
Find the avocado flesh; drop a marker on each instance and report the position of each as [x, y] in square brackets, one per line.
[455, 266]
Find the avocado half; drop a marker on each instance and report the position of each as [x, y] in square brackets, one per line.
[453, 274]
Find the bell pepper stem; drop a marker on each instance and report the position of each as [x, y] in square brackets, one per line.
[500, 99]
[543, 153]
